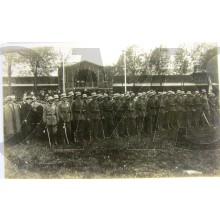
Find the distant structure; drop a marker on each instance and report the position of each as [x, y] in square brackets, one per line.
[86, 76]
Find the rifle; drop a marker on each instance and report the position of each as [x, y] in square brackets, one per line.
[64, 126]
[206, 119]
[48, 135]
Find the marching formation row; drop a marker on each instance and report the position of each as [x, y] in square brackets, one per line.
[78, 117]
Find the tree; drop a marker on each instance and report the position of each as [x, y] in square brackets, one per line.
[182, 63]
[42, 61]
[202, 53]
[135, 61]
[159, 60]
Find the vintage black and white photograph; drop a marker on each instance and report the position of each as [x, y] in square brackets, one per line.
[152, 112]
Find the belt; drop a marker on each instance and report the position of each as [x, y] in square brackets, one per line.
[83, 111]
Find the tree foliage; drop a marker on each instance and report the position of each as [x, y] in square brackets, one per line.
[182, 62]
[202, 53]
[135, 61]
[159, 60]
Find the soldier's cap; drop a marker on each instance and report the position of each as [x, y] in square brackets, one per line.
[196, 92]
[9, 98]
[160, 93]
[132, 94]
[151, 94]
[127, 95]
[144, 93]
[164, 93]
[211, 94]
[63, 95]
[46, 95]
[56, 97]
[139, 94]
[94, 94]
[78, 93]
[203, 91]
[171, 93]
[84, 96]
[182, 92]
[188, 93]
[71, 94]
[178, 92]
[29, 97]
[50, 98]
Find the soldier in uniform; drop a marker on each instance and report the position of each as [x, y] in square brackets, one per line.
[205, 107]
[189, 108]
[64, 112]
[140, 108]
[160, 103]
[179, 108]
[170, 102]
[56, 100]
[198, 112]
[151, 111]
[51, 119]
[26, 119]
[119, 114]
[79, 116]
[37, 116]
[72, 123]
[107, 114]
[130, 116]
[213, 109]
[94, 115]
[87, 125]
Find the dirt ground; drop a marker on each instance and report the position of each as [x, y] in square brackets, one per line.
[181, 153]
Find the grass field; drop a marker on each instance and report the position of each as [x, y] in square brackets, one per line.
[182, 153]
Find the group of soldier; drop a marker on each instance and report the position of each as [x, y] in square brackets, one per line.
[77, 118]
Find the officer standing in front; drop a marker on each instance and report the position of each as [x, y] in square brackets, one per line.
[64, 112]
[51, 119]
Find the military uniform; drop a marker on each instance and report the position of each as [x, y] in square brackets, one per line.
[119, 115]
[79, 116]
[51, 119]
[94, 116]
[130, 116]
[205, 107]
[160, 103]
[190, 108]
[151, 112]
[171, 108]
[213, 103]
[198, 109]
[140, 108]
[107, 114]
[179, 110]
[64, 112]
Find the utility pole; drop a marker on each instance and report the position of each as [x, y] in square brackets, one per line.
[9, 72]
[125, 71]
[64, 86]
